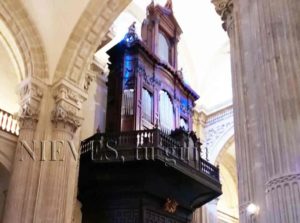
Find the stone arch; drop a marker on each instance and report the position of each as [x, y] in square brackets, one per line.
[225, 140]
[23, 38]
[223, 146]
[86, 37]
[227, 206]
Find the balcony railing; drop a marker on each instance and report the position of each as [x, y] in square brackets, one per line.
[164, 148]
[8, 123]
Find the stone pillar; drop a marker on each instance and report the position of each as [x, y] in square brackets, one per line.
[242, 116]
[44, 189]
[58, 190]
[22, 189]
[207, 214]
[265, 45]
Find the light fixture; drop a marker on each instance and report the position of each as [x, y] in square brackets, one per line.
[252, 209]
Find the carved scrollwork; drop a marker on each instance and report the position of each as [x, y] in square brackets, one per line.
[31, 95]
[170, 206]
[184, 109]
[66, 113]
[216, 126]
[150, 80]
[31, 90]
[28, 115]
[67, 117]
[63, 92]
[89, 78]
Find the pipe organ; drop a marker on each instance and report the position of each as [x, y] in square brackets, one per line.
[166, 111]
[145, 82]
[146, 166]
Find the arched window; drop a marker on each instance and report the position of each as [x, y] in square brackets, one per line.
[166, 112]
[147, 105]
[164, 47]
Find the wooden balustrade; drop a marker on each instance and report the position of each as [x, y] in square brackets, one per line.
[154, 138]
[8, 123]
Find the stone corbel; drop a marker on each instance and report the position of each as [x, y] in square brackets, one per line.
[68, 103]
[225, 9]
[31, 93]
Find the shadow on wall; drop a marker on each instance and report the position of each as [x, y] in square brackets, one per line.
[4, 180]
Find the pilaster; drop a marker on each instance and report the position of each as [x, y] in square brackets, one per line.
[43, 186]
[60, 176]
[20, 197]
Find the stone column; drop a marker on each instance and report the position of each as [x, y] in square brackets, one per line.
[58, 190]
[207, 214]
[21, 194]
[265, 45]
[44, 189]
[243, 141]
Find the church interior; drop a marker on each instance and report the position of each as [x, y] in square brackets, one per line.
[149, 111]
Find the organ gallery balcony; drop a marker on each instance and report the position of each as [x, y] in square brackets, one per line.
[118, 170]
[147, 145]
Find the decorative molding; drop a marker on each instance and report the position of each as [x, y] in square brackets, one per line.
[149, 79]
[170, 206]
[89, 78]
[219, 116]
[224, 8]
[31, 94]
[68, 100]
[282, 181]
[216, 126]
[282, 193]
[131, 35]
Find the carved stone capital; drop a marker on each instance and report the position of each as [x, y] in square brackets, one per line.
[31, 94]
[225, 9]
[68, 103]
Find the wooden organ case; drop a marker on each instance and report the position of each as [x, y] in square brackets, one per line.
[143, 72]
[125, 174]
